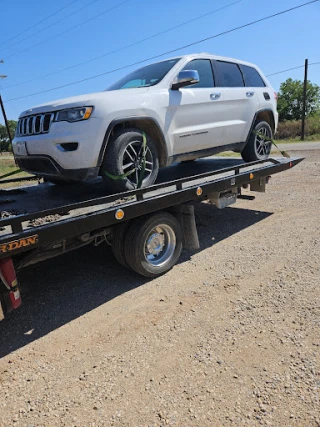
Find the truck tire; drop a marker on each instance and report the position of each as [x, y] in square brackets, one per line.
[4, 302]
[119, 233]
[259, 143]
[153, 244]
[124, 154]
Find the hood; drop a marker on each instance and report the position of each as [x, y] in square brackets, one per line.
[89, 99]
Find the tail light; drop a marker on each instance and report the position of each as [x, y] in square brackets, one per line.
[276, 96]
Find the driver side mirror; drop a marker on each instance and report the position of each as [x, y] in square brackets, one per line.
[185, 78]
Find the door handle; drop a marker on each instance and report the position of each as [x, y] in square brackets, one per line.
[215, 96]
[249, 94]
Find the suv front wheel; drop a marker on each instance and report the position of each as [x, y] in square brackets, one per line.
[259, 143]
[131, 161]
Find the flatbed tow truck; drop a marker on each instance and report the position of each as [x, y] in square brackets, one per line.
[147, 227]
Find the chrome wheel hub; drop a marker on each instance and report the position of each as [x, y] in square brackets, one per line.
[160, 245]
[155, 244]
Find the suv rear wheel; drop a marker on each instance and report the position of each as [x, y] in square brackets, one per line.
[131, 161]
[259, 143]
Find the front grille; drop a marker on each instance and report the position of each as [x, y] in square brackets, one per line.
[34, 125]
[37, 165]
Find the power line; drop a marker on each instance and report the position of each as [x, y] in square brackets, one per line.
[290, 69]
[129, 45]
[72, 28]
[39, 22]
[284, 71]
[51, 25]
[168, 52]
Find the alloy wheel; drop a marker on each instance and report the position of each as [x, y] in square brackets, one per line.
[133, 160]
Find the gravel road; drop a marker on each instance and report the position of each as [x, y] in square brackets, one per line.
[229, 337]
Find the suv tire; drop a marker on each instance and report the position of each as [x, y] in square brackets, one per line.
[259, 143]
[124, 153]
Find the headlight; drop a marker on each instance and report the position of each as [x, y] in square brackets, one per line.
[74, 114]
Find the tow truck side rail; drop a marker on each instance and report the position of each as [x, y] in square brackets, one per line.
[136, 203]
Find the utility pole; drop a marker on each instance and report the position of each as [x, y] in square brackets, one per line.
[5, 120]
[2, 76]
[304, 99]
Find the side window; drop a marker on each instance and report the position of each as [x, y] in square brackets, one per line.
[203, 66]
[229, 74]
[252, 77]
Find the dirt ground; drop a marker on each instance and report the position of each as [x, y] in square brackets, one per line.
[229, 337]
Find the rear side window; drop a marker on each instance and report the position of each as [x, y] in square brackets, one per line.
[229, 74]
[252, 77]
[204, 68]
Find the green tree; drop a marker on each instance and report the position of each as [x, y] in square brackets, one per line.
[4, 138]
[290, 101]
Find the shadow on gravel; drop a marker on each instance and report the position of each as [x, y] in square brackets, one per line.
[60, 290]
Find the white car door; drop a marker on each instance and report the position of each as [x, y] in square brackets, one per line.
[193, 111]
[265, 93]
[237, 103]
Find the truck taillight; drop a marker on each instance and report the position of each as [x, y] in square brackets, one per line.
[276, 96]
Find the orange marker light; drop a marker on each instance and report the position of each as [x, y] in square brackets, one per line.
[119, 214]
[88, 112]
[251, 176]
[199, 191]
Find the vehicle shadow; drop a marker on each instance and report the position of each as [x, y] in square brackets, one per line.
[62, 289]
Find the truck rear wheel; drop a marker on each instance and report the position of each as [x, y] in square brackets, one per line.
[118, 242]
[128, 164]
[153, 244]
[3, 305]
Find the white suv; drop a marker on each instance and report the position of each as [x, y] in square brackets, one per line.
[175, 110]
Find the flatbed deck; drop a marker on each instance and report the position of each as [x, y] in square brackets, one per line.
[33, 198]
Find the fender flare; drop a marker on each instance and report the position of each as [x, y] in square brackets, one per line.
[161, 143]
[269, 110]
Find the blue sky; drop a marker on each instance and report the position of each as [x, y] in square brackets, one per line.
[274, 45]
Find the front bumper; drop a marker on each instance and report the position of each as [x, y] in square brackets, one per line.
[47, 167]
[87, 136]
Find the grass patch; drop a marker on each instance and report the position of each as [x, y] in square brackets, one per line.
[310, 138]
[7, 165]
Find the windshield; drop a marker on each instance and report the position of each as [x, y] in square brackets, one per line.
[146, 76]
